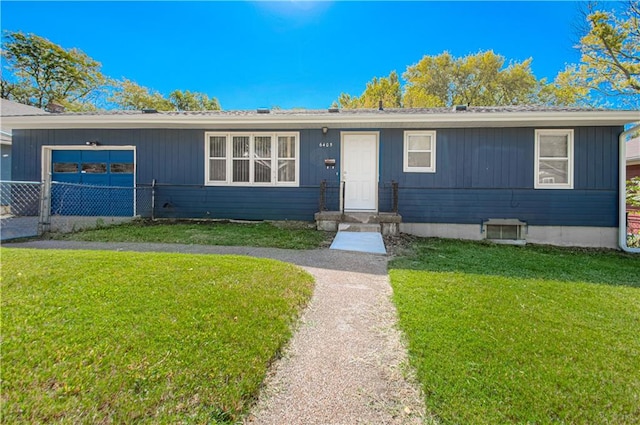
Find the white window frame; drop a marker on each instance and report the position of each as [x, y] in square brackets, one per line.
[570, 159]
[405, 164]
[229, 159]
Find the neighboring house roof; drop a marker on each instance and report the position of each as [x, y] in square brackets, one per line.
[507, 116]
[633, 151]
[9, 108]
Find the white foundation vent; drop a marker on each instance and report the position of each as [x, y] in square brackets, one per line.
[505, 230]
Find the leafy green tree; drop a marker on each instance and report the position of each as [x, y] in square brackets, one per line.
[193, 101]
[564, 90]
[610, 54]
[429, 82]
[479, 79]
[386, 90]
[39, 72]
[130, 95]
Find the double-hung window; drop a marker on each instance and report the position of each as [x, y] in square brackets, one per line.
[419, 152]
[246, 159]
[554, 159]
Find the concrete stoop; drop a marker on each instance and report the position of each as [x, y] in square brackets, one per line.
[388, 224]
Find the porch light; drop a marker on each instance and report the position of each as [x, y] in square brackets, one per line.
[324, 130]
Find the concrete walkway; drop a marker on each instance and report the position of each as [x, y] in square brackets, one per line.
[346, 363]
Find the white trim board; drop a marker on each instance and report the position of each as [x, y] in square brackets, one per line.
[318, 119]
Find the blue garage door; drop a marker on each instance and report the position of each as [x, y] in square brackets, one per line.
[85, 171]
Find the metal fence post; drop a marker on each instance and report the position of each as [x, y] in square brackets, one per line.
[323, 190]
[153, 199]
[44, 223]
[343, 191]
[394, 196]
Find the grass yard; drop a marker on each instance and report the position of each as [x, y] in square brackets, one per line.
[205, 233]
[114, 337]
[536, 335]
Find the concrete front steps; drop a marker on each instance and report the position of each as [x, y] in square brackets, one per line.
[359, 227]
[388, 224]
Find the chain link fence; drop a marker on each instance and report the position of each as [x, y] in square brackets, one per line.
[19, 209]
[72, 199]
[31, 208]
[72, 206]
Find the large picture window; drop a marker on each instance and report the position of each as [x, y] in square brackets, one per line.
[419, 152]
[262, 159]
[554, 159]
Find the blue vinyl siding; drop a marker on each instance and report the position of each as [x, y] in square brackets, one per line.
[481, 173]
[471, 206]
[466, 158]
[495, 158]
[486, 173]
[243, 203]
[175, 159]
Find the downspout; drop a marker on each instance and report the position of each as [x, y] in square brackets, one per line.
[622, 188]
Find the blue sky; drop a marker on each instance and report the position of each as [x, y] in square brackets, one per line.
[293, 53]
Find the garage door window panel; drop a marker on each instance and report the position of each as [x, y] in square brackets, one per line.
[65, 167]
[94, 168]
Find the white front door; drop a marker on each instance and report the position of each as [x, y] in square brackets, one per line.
[359, 171]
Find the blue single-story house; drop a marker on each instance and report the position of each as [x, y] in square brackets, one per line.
[536, 174]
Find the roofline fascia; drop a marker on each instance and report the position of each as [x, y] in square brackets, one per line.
[474, 119]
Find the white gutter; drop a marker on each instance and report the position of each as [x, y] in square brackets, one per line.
[622, 188]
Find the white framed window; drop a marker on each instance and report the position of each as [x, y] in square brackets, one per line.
[252, 159]
[419, 152]
[553, 159]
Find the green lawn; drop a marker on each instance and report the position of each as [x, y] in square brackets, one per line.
[522, 335]
[113, 337]
[205, 233]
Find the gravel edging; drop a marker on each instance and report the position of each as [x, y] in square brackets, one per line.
[346, 363]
